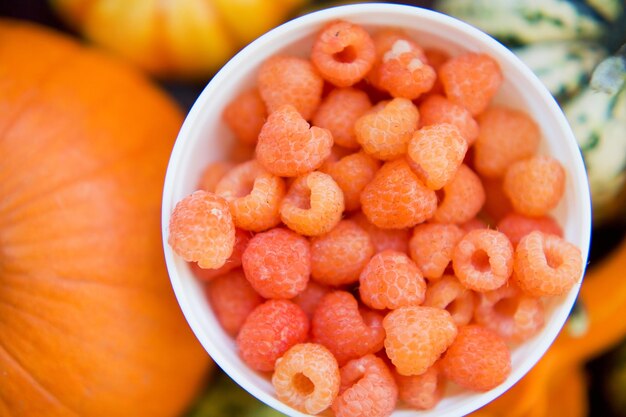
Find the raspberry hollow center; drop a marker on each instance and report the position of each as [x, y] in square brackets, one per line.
[346, 55]
[480, 261]
[303, 384]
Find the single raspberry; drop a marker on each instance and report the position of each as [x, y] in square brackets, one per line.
[401, 67]
[416, 337]
[201, 229]
[463, 197]
[510, 313]
[483, 260]
[254, 196]
[339, 112]
[269, 331]
[308, 299]
[505, 136]
[421, 392]
[212, 174]
[448, 293]
[313, 205]
[436, 58]
[435, 154]
[307, 378]
[290, 80]
[497, 204]
[352, 173]
[471, 80]
[546, 264]
[396, 198]
[515, 226]
[479, 359]
[277, 263]
[288, 146]
[242, 238]
[383, 239]
[385, 132]
[245, 116]
[348, 331]
[232, 299]
[535, 186]
[343, 53]
[436, 109]
[367, 389]
[432, 245]
[339, 256]
[391, 280]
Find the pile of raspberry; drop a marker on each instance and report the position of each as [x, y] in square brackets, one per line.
[381, 228]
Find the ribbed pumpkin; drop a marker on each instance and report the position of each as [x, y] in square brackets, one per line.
[88, 322]
[175, 38]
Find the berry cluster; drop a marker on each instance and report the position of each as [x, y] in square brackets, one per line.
[390, 234]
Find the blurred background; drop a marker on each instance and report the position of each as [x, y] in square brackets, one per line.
[584, 373]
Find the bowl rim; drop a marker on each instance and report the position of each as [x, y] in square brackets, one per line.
[318, 18]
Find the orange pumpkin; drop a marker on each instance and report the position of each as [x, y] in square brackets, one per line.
[88, 322]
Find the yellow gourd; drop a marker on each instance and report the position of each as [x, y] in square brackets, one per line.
[175, 38]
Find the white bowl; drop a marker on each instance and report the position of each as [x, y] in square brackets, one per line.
[204, 137]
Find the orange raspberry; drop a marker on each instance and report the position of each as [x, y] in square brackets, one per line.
[436, 58]
[308, 299]
[535, 186]
[201, 229]
[436, 109]
[290, 80]
[448, 293]
[391, 280]
[254, 196]
[516, 226]
[401, 67]
[479, 359]
[471, 80]
[269, 331]
[277, 263]
[416, 337]
[421, 392]
[343, 53]
[384, 239]
[348, 331]
[313, 205]
[385, 39]
[385, 132]
[288, 146]
[505, 136]
[242, 238]
[339, 256]
[307, 378]
[396, 198]
[483, 260]
[432, 245]
[435, 153]
[232, 299]
[339, 112]
[245, 116]
[212, 174]
[546, 264]
[497, 204]
[367, 389]
[507, 311]
[352, 173]
[463, 197]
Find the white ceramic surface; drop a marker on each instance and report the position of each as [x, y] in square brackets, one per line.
[204, 137]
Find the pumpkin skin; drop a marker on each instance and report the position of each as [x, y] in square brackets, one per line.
[175, 38]
[89, 325]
